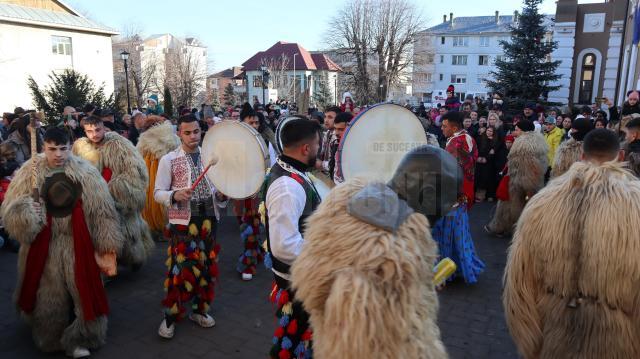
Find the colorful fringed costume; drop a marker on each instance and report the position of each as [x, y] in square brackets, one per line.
[192, 266]
[126, 174]
[251, 234]
[287, 184]
[452, 232]
[60, 250]
[154, 143]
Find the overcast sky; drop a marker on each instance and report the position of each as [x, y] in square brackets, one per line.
[235, 30]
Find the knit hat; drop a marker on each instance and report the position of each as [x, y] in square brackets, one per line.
[451, 88]
[154, 99]
[550, 119]
[509, 138]
[525, 125]
[531, 106]
[579, 128]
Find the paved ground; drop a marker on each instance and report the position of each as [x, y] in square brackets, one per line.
[471, 317]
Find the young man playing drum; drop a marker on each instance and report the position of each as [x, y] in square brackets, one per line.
[193, 215]
[290, 197]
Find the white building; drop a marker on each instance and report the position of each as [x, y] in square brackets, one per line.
[460, 51]
[155, 59]
[292, 70]
[37, 37]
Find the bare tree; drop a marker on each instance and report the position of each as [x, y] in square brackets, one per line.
[185, 75]
[278, 78]
[379, 31]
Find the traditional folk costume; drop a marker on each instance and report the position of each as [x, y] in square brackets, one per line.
[126, 174]
[571, 280]
[452, 232]
[192, 264]
[526, 166]
[365, 272]
[59, 289]
[569, 152]
[289, 198]
[252, 234]
[154, 143]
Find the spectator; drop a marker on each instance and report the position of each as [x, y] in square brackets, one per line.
[452, 103]
[153, 106]
[467, 125]
[20, 139]
[600, 123]
[570, 151]
[553, 136]
[586, 113]
[632, 147]
[7, 118]
[486, 173]
[89, 109]
[566, 127]
[139, 120]
[529, 112]
[632, 105]
[501, 157]
[442, 111]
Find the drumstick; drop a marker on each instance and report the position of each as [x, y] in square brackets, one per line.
[213, 161]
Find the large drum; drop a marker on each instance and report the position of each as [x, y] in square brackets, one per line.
[376, 141]
[242, 158]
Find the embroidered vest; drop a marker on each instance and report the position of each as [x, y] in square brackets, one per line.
[312, 202]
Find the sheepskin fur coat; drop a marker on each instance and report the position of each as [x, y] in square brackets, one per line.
[569, 152]
[577, 237]
[128, 187]
[154, 143]
[369, 292]
[528, 163]
[58, 299]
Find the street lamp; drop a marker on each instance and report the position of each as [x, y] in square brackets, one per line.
[125, 56]
[294, 76]
[264, 80]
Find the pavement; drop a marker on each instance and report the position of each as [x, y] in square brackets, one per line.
[471, 318]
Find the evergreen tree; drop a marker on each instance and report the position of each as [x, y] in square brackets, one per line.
[168, 102]
[322, 96]
[215, 101]
[229, 95]
[69, 88]
[525, 74]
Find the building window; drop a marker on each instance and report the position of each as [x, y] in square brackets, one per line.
[61, 45]
[459, 60]
[441, 77]
[459, 79]
[483, 60]
[499, 58]
[586, 82]
[441, 59]
[430, 58]
[427, 77]
[442, 40]
[480, 79]
[460, 41]
[484, 41]
[257, 81]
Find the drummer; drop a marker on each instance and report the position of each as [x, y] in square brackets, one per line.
[290, 197]
[339, 127]
[246, 210]
[193, 215]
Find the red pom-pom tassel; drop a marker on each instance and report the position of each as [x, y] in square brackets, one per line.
[293, 327]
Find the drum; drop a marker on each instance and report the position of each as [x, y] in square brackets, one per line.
[376, 140]
[320, 185]
[242, 157]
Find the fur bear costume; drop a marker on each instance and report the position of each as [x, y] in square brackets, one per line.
[154, 143]
[569, 152]
[527, 162]
[57, 319]
[126, 174]
[571, 284]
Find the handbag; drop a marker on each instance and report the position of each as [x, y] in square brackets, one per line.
[502, 192]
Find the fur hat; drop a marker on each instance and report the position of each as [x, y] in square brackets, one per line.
[60, 194]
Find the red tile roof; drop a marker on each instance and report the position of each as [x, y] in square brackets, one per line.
[304, 60]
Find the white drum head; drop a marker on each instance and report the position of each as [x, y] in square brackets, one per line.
[323, 188]
[242, 158]
[376, 141]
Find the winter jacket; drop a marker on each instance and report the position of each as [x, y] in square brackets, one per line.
[553, 138]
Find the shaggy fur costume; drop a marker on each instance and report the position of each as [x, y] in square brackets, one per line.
[58, 298]
[154, 143]
[568, 153]
[128, 187]
[577, 235]
[527, 162]
[369, 292]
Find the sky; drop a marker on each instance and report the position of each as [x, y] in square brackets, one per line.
[235, 30]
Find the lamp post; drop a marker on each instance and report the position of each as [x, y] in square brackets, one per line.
[125, 56]
[264, 71]
[294, 76]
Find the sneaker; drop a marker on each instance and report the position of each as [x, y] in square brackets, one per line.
[166, 332]
[79, 352]
[247, 276]
[205, 321]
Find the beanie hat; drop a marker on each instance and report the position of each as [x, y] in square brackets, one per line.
[531, 106]
[509, 138]
[579, 128]
[525, 125]
[154, 99]
[451, 88]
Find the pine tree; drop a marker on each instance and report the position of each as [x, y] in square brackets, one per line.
[215, 100]
[525, 74]
[229, 95]
[322, 96]
[69, 88]
[168, 102]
